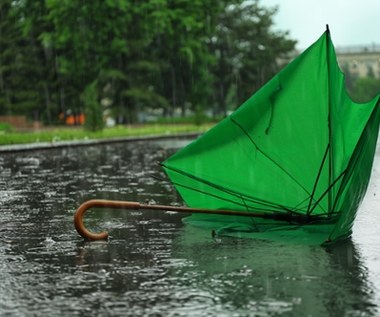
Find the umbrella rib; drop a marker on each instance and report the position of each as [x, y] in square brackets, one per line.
[230, 192]
[268, 157]
[242, 204]
[328, 190]
[302, 207]
[318, 177]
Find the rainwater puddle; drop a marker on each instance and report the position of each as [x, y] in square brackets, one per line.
[153, 265]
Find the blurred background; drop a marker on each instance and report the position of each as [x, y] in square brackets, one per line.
[109, 62]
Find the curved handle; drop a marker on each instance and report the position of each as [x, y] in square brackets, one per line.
[79, 214]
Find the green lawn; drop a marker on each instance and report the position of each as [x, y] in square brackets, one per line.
[78, 133]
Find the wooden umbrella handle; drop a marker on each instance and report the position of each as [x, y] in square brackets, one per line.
[114, 204]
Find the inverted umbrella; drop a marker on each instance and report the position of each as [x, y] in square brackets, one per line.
[294, 160]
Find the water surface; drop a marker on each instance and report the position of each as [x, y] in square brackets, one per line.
[153, 265]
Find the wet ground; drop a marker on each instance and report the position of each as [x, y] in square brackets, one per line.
[153, 265]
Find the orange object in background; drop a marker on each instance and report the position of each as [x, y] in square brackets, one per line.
[81, 118]
[72, 120]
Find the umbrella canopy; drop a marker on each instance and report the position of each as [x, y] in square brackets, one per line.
[299, 145]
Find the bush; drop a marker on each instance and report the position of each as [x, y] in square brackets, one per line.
[5, 127]
[93, 109]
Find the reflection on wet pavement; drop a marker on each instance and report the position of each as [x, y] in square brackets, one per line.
[152, 265]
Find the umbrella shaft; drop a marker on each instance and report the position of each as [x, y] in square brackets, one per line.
[114, 204]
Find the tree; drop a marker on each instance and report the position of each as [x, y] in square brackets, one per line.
[43, 70]
[93, 109]
[27, 66]
[162, 54]
[246, 50]
[16, 66]
[9, 37]
[365, 89]
[91, 44]
[179, 49]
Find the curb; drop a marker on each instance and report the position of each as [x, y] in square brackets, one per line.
[65, 144]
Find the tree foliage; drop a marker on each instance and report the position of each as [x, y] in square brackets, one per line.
[92, 108]
[365, 89]
[158, 54]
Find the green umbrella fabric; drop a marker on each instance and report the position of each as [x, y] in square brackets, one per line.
[299, 145]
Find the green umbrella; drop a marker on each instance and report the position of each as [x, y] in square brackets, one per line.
[299, 146]
[291, 164]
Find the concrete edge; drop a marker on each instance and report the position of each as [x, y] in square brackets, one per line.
[14, 148]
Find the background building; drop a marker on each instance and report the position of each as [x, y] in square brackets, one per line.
[360, 61]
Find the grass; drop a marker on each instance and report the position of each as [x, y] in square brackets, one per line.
[78, 133]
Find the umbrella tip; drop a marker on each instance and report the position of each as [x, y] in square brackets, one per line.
[327, 28]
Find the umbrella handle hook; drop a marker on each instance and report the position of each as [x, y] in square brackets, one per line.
[79, 214]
